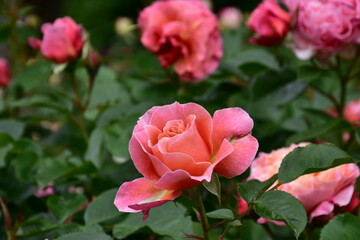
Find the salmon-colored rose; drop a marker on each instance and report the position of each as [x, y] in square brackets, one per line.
[62, 41]
[269, 22]
[319, 192]
[325, 25]
[352, 112]
[5, 75]
[179, 146]
[184, 34]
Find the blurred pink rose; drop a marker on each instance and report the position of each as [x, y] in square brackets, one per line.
[184, 34]
[48, 191]
[62, 41]
[5, 75]
[319, 192]
[325, 25]
[269, 22]
[179, 146]
[352, 112]
[230, 17]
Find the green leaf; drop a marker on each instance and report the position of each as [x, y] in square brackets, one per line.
[93, 152]
[26, 166]
[282, 206]
[214, 186]
[223, 213]
[102, 208]
[167, 220]
[357, 135]
[250, 189]
[3, 152]
[65, 206]
[85, 236]
[12, 127]
[107, 89]
[310, 159]
[318, 131]
[344, 227]
[259, 56]
[34, 75]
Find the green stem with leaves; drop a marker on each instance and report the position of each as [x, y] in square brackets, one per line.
[202, 212]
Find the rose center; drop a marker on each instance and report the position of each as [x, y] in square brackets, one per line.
[173, 128]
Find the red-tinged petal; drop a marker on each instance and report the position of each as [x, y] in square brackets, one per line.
[34, 43]
[176, 180]
[240, 159]
[343, 198]
[141, 195]
[230, 123]
[325, 208]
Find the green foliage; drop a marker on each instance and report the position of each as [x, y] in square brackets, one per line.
[65, 206]
[224, 213]
[282, 206]
[250, 189]
[345, 226]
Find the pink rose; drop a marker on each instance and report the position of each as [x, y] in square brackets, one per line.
[352, 112]
[319, 192]
[230, 17]
[179, 146]
[5, 75]
[62, 41]
[326, 25]
[184, 34]
[269, 22]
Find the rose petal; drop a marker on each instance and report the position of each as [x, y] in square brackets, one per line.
[230, 123]
[325, 208]
[141, 195]
[343, 198]
[240, 159]
[177, 180]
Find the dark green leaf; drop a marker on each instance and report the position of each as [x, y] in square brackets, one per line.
[65, 206]
[259, 56]
[250, 189]
[85, 236]
[221, 214]
[344, 227]
[317, 131]
[3, 152]
[93, 153]
[12, 127]
[214, 186]
[34, 75]
[310, 159]
[102, 208]
[357, 135]
[26, 166]
[282, 206]
[166, 220]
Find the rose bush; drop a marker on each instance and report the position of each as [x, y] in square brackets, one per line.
[62, 41]
[179, 146]
[5, 75]
[319, 192]
[269, 22]
[184, 34]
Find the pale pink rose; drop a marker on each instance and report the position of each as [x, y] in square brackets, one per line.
[352, 112]
[325, 25]
[230, 17]
[184, 34]
[5, 76]
[179, 146]
[269, 22]
[62, 41]
[319, 192]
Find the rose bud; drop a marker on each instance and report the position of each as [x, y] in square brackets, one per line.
[230, 18]
[270, 23]
[5, 75]
[179, 146]
[352, 112]
[184, 34]
[319, 192]
[62, 41]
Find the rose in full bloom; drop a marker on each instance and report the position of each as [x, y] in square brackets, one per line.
[5, 75]
[325, 25]
[62, 41]
[319, 192]
[269, 22]
[230, 17]
[184, 34]
[179, 146]
[352, 112]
